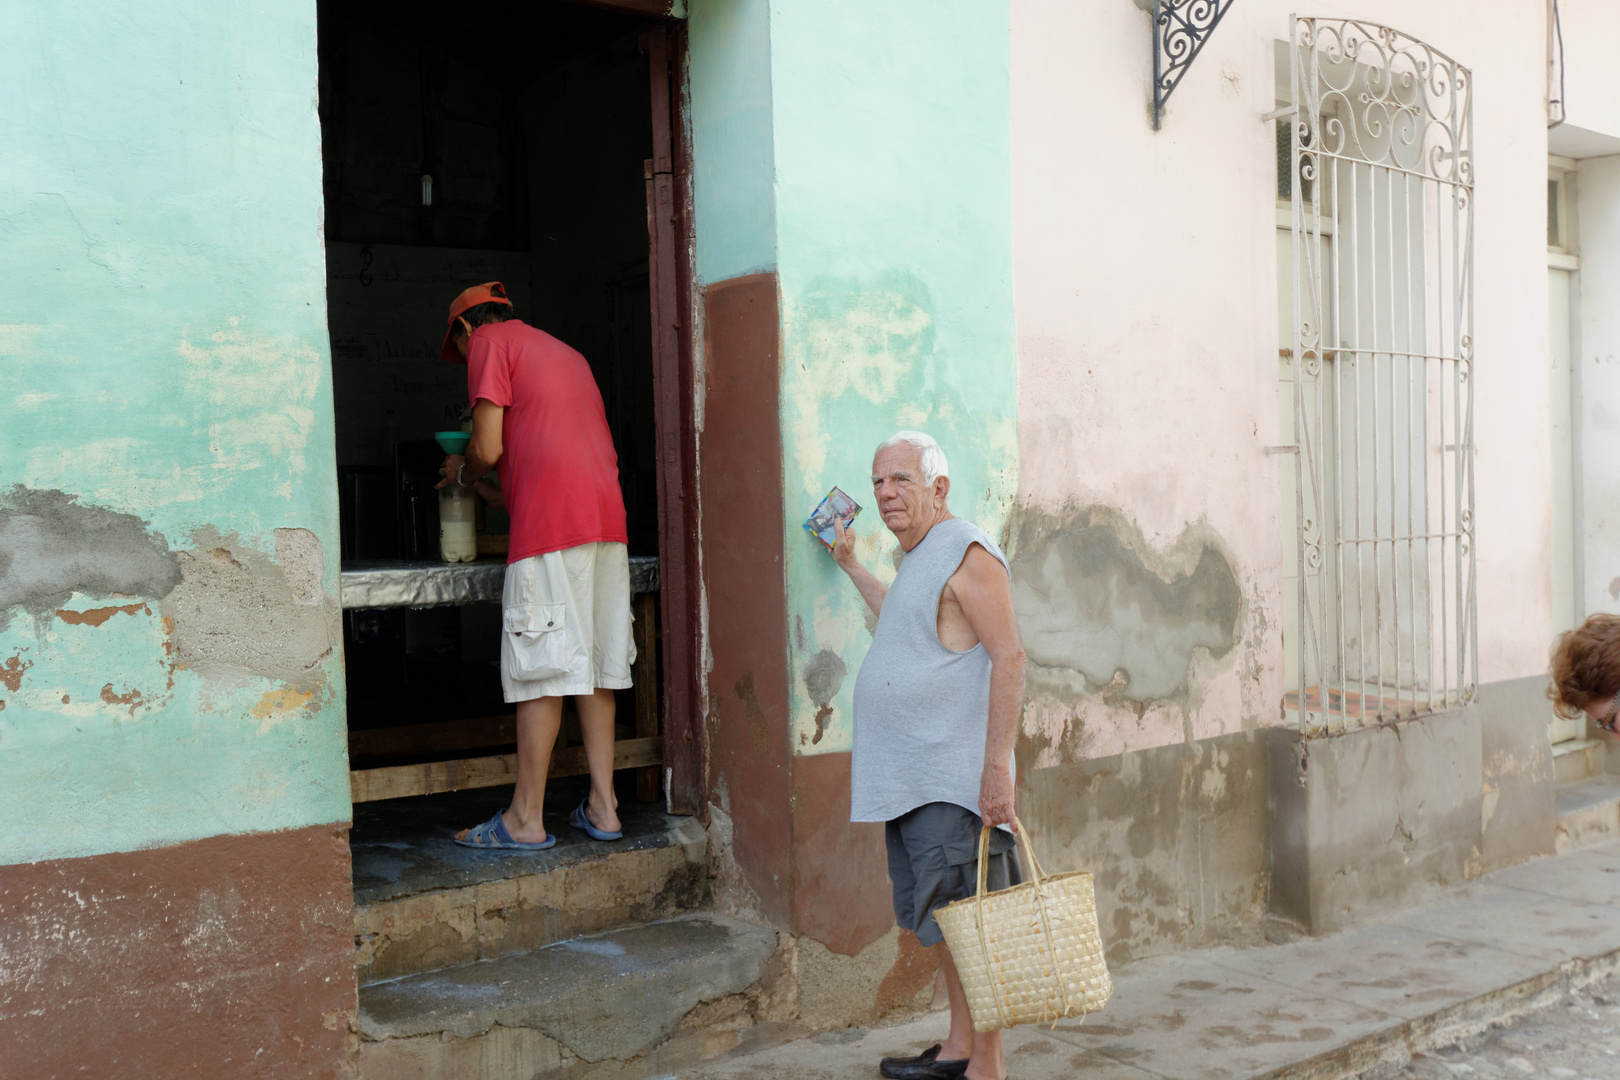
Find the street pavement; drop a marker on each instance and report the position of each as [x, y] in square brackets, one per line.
[1357, 1004]
[1578, 1037]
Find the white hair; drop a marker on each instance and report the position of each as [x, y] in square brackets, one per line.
[930, 458]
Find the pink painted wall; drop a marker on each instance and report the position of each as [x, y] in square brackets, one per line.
[1146, 278]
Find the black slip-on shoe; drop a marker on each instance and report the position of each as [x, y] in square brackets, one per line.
[925, 1066]
[909, 1068]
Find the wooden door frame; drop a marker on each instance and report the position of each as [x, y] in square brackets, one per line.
[657, 9]
[669, 235]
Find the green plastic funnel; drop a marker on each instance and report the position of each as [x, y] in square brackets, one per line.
[453, 442]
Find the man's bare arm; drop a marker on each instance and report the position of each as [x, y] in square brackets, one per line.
[983, 591]
[871, 589]
[484, 449]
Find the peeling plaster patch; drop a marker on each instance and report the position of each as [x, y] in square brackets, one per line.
[303, 562]
[132, 698]
[1101, 612]
[52, 547]
[11, 672]
[97, 616]
[864, 338]
[256, 398]
[235, 611]
[277, 705]
[823, 678]
[824, 714]
[864, 354]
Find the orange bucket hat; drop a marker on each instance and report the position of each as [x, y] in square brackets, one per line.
[490, 292]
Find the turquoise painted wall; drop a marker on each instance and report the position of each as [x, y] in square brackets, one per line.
[730, 113]
[894, 248]
[163, 354]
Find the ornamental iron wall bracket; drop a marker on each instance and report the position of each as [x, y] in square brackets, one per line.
[1180, 28]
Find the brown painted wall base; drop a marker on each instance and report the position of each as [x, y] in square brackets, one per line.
[232, 956]
[741, 479]
[842, 895]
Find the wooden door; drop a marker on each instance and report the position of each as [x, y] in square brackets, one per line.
[668, 245]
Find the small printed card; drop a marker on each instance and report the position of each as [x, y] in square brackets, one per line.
[836, 505]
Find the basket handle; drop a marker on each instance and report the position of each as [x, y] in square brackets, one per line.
[1036, 874]
[1035, 871]
[978, 909]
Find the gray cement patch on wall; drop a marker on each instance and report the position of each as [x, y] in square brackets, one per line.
[236, 611]
[1100, 610]
[823, 678]
[303, 563]
[52, 546]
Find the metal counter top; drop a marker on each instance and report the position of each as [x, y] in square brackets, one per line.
[394, 583]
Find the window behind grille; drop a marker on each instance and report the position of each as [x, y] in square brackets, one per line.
[1382, 347]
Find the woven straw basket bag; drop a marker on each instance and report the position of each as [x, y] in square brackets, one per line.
[1031, 953]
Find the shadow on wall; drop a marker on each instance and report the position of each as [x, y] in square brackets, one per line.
[1102, 613]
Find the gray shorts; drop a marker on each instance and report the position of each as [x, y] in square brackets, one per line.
[934, 859]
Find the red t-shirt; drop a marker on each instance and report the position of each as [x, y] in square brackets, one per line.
[559, 472]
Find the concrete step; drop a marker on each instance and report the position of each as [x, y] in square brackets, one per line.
[422, 902]
[666, 994]
[1577, 759]
[1588, 812]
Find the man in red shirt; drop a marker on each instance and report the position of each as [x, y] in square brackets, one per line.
[565, 609]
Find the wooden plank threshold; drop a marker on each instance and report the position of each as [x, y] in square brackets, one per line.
[434, 738]
[434, 777]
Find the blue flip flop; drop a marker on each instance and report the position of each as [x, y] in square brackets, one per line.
[492, 836]
[579, 821]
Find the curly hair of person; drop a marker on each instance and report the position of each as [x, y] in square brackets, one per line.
[1585, 666]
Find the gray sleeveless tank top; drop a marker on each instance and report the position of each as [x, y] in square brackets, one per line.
[922, 712]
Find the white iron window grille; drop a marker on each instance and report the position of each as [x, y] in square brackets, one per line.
[1381, 136]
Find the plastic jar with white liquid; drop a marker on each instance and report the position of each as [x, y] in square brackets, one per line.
[458, 535]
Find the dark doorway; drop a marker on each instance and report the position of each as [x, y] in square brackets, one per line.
[512, 147]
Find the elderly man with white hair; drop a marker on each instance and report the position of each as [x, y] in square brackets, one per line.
[936, 711]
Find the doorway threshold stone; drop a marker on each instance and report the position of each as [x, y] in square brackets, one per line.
[424, 902]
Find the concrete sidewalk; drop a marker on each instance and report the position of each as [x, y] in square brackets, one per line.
[1327, 1007]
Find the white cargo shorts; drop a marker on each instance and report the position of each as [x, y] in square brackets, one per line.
[565, 620]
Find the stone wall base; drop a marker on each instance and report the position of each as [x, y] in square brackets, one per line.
[1385, 817]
